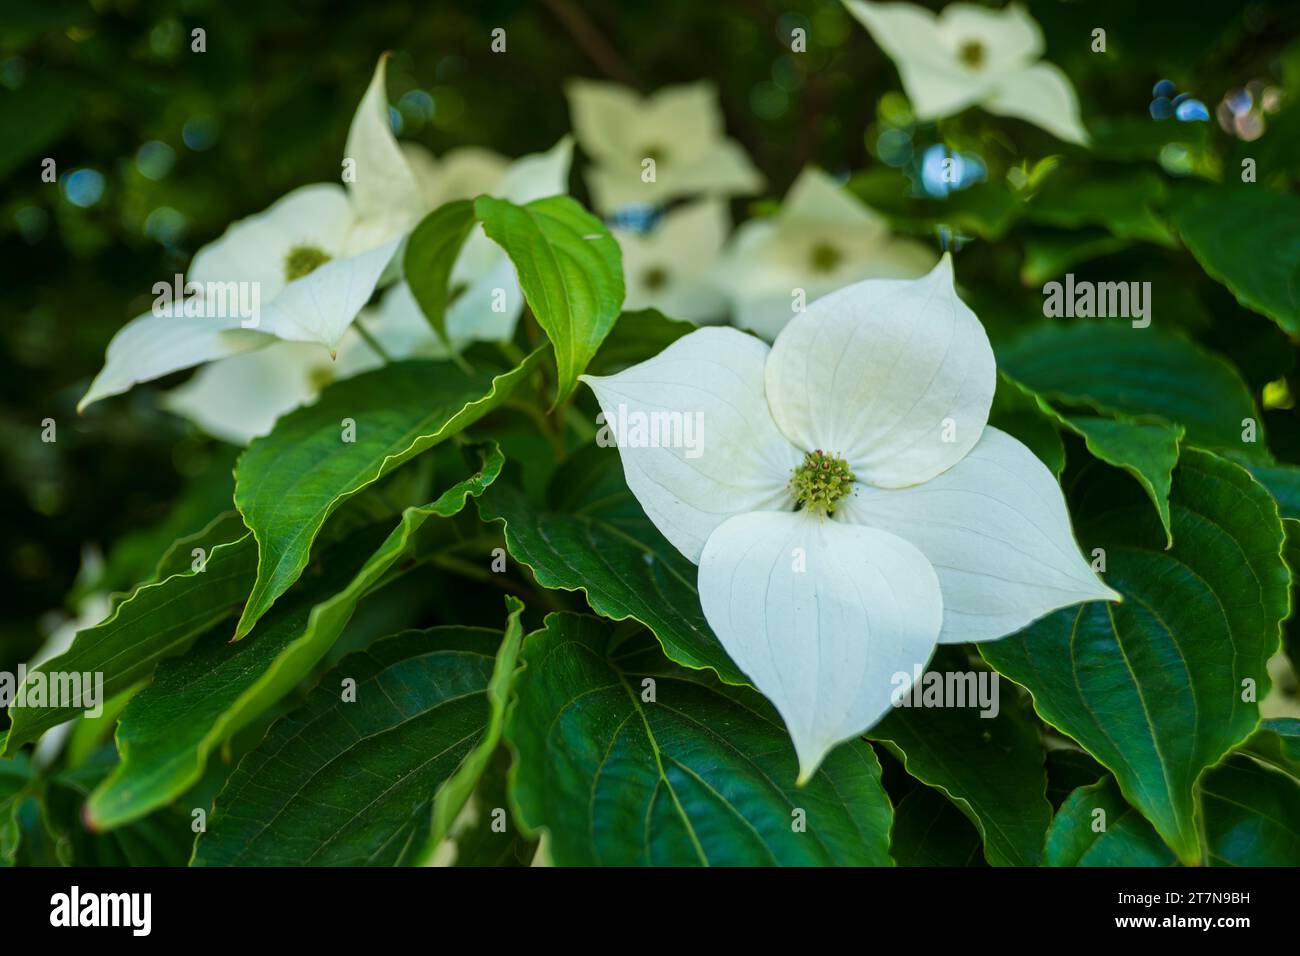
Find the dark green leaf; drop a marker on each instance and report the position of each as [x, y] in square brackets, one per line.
[1095, 827]
[990, 767]
[929, 830]
[1143, 374]
[199, 701]
[571, 271]
[289, 482]
[703, 773]
[620, 561]
[1154, 687]
[340, 783]
[431, 251]
[1248, 238]
[157, 621]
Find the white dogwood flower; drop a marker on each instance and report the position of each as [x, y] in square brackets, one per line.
[822, 239]
[652, 149]
[240, 397]
[307, 265]
[850, 508]
[968, 55]
[671, 267]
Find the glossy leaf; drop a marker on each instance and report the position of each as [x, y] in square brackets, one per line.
[991, 768]
[702, 774]
[431, 252]
[570, 269]
[1144, 374]
[157, 621]
[607, 548]
[198, 702]
[289, 482]
[1160, 687]
[340, 783]
[1248, 239]
[1096, 827]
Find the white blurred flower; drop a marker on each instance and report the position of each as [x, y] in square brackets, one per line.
[310, 262]
[972, 56]
[679, 128]
[822, 239]
[240, 397]
[850, 508]
[671, 267]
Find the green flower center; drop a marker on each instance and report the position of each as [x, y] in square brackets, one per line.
[654, 278]
[821, 482]
[303, 260]
[654, 152]
[825, 257]
[971, 53]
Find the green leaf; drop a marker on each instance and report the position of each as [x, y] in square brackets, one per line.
[1068, 769]
[289, 482]
[571, 271]
[607, 548]
[431, 252]
[1283, 483]
[1277, 742]
[157, 621]
[1153, 687]
[453, 795]
[1248, 238]
[929, 830]
[1146, 450]
[340, 783]
[1118, 835]
[200, 701]
[1142, 374]
[15, 779]
[1252, 815]
[477, 837]
[1051, 253]
[990, 767]
[1117, 198]
[702, 773]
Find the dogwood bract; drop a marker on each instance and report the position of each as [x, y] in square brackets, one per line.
[678, 128]
[822, 239]
[310, 262]
[971, 56]
[240, 397]
[314, 259]
[850, 507]
[671, 267]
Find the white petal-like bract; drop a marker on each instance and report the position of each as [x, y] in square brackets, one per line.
[696, 438]
[896, 376]
[150, 346]
[827, 619]
[386, 195]
[239, 398]
[997, 531]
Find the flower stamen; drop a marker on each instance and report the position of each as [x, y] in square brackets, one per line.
[303, 260]
[971, 53]
[821, 482]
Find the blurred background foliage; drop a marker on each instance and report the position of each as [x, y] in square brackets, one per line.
[159, 148]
